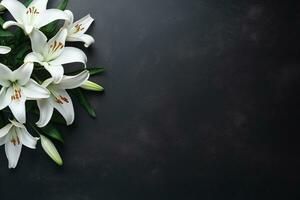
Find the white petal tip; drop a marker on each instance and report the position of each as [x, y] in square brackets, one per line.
[89, 15]
[70, 123]
[87, 45]
[40, 125]
[6, 25]
[4, 50]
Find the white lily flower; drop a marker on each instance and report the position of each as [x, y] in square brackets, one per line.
[14, 135]
[4, 50]
[76, 30]
[17, 87]
[53, 54]
[35, 16]
[59, 98]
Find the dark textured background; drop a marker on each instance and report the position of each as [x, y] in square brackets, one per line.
[202, 102]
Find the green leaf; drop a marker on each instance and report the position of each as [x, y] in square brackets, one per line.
[19, 51]
[84, 102]
[4, 33]
[27, 2]
[2, 21]
[58, 119]
[93, 71]
[50, 29]
[22, 51]
[29, 105]
[51, 131]
[20, 35]
[51, 150]
[63, 5]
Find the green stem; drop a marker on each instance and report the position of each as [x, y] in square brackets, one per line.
[35, 129]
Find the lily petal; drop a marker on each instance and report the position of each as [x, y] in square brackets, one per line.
[4, 140]
[65, 108]
[87, 39]
[23, 73]
[13, 154]
[47, 82]
[4, 49]
[34, 57]
[16, 8]
[46, 111]
[11, 23]
[56, 71]
[35, 91]
[5, 97]
[49, 16]
[26, 139]
[71, 82]
[70, 18]
[4, 131]
[5, 75]
[70, 55]
[38, 41]
[18, 109]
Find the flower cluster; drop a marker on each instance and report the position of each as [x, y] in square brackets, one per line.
[33, 76]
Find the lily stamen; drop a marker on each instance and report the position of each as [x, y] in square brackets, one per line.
[58, 98]
[32, 10]
[17, 93]
[78, 28]
[64, 99]
[56, 46]
[15, 141]
[61, 100]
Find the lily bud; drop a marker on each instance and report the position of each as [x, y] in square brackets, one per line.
[51, 150]
[89, 85]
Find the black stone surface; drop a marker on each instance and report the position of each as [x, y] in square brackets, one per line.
[201, 102]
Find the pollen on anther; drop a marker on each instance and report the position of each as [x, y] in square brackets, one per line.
[32, 10]
[64, 99]
[59, 101]
[15, 141]
[78, 28]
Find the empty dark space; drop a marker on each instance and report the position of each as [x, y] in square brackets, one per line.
[202, 102]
